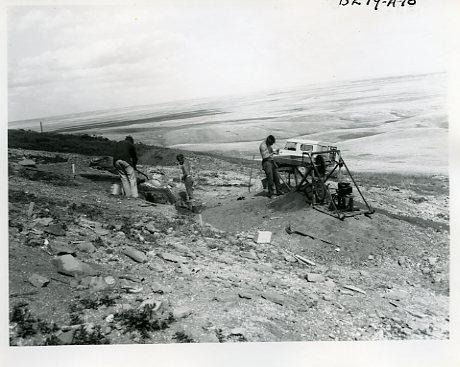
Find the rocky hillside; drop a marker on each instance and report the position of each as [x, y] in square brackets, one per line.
[86, 267]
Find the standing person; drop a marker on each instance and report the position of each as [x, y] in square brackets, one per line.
[187, 178]
[125, 160]
[268, 165]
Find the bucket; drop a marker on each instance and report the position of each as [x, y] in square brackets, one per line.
[115, 189]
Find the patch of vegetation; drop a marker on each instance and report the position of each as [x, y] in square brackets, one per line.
[181, 337]
[144, 320]
[28, 325]
[92, 337]
[99, 146]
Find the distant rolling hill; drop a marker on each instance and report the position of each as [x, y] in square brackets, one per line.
[392, 124]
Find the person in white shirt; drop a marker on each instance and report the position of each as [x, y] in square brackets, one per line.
[268, 165]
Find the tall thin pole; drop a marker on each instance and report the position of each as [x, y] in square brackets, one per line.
[250, 174]
[41, 127]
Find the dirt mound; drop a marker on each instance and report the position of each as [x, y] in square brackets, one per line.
[291, 201]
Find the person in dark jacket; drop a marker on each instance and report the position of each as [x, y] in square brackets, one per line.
[125, 161]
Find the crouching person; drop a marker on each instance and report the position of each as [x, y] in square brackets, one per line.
[186, 178]
[124, 161]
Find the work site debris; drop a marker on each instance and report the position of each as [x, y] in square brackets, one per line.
[264, 237]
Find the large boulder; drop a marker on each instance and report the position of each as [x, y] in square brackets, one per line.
[69, 265]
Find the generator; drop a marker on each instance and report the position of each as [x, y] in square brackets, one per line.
[343, 197]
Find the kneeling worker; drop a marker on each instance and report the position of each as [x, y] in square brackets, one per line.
[125, 160]
[269, 166]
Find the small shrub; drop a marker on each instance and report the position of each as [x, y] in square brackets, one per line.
[92, 337]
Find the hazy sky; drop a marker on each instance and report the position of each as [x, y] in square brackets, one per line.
[74, 59]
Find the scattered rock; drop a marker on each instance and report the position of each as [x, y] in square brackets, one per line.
[109, 318]
[173, 258]
[417, 199]
[151, 253]
[250, 255]
[86, 247]
[273, 297]
[263, 267]
[55, 230]
[101, 231]
[354, 289]
[315, 278]
[396, 295]
[290, 259]
[68, 265]
[61, 249]
[245, 295]
[151, 228]
[110, 280]
[66, 337]
[432, 260]
[43, 221]
[136, 255]
[181, 312]
[370, 257]
[237, 331]
[38, 280]
[27, 163]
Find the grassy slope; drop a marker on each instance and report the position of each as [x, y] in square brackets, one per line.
[99, 146]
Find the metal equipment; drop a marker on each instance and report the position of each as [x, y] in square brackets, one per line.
[315, 175]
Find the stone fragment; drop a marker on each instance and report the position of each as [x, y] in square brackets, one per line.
[43, 221]
[66, 337]
[86, 247]
[173, 258]
[181, 312]
[237, 331]
[315, 278]
[250, 255]
[151, 228]
[273, 297]
[396, 295]
[245, 295]
[61, 249]
[27, 163]
[354, 289]
[110, 280]
[101, 231]
[290, 259]
[264, 237]
[151, 253]
[136, 255]
[432, 260]
[110, 318]
[68, 265]
[38, 281]
[55, 230]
